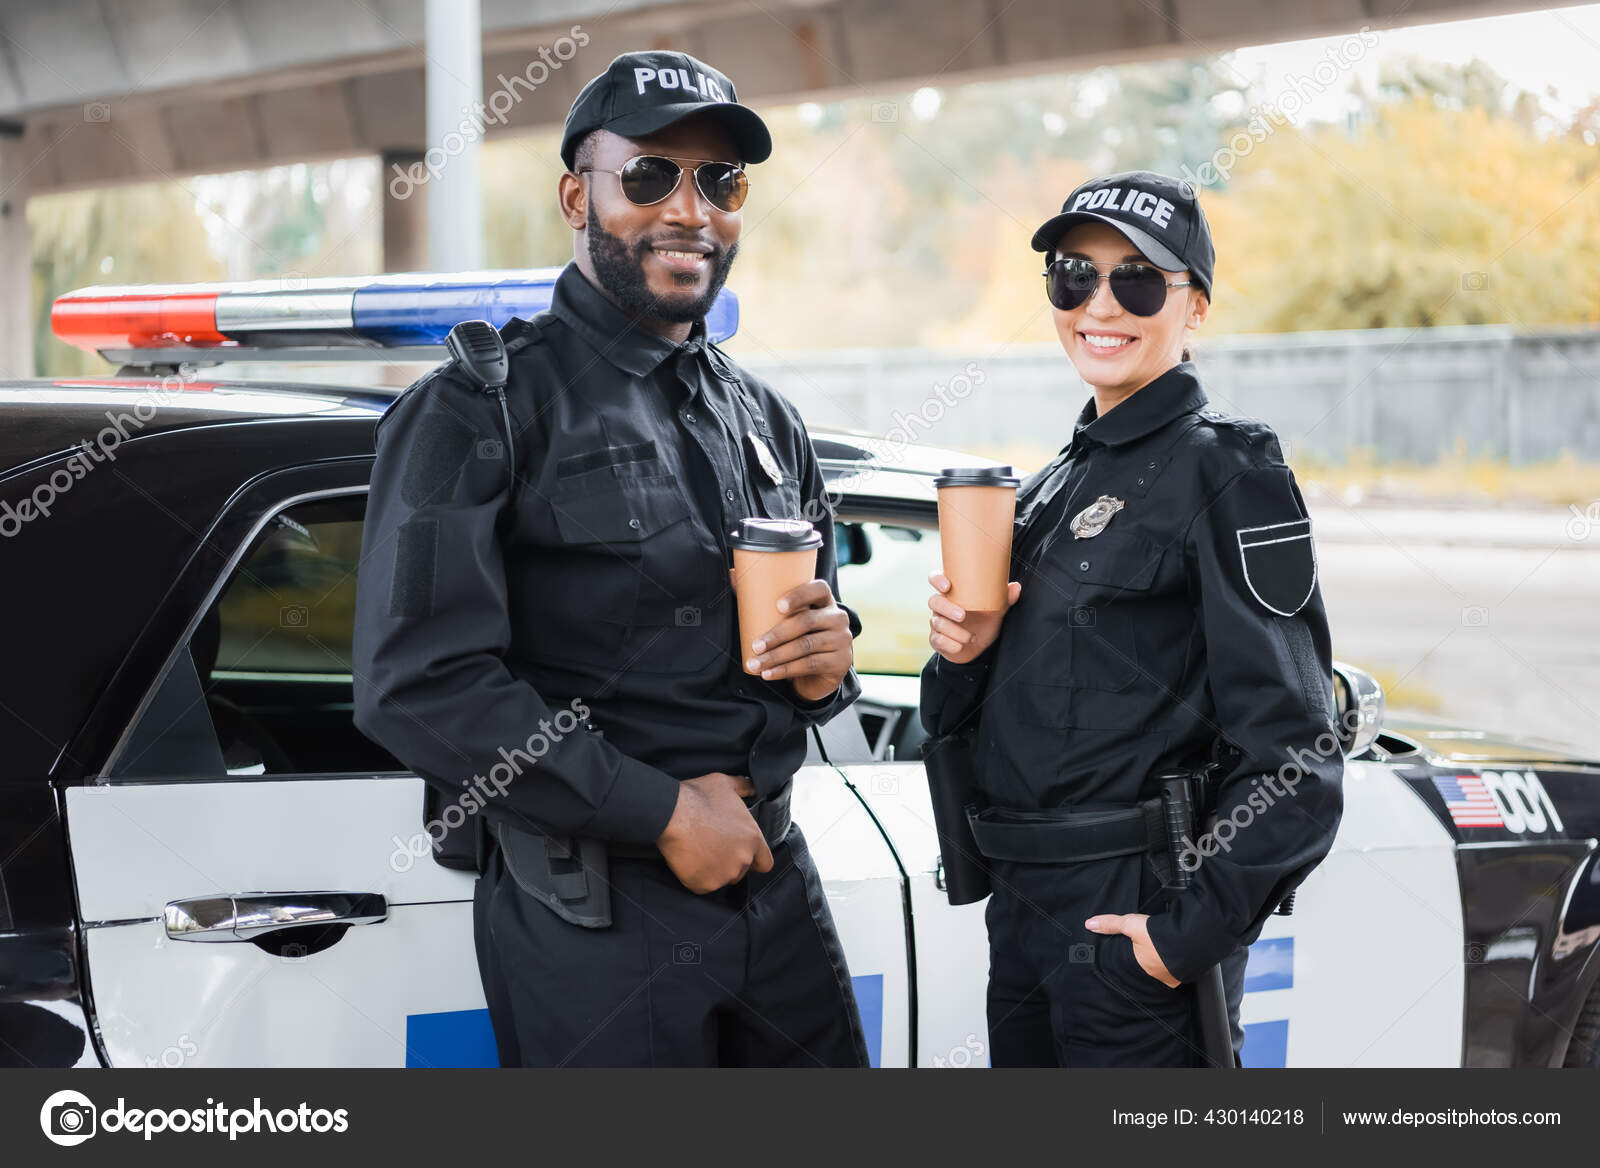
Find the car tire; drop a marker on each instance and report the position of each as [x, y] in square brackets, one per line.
[1584, 1049]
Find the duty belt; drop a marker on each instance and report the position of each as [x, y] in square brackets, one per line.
[1060, 835]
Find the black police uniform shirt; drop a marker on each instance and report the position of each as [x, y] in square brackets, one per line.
[1193, 613]
[600, 576]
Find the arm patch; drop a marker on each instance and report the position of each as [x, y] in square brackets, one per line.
[440, 445]
[1280, 564]
[416, 558]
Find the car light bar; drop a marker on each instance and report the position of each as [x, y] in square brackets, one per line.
[378, 318]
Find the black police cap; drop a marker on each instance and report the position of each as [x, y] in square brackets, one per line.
[1160, 215]
[640, 93]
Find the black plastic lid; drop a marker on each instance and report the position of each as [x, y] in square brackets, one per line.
[977, 476]
[775, 535]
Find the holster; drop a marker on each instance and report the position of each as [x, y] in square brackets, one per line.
[570, 875]
[464, 847]
[953, 786]
[772, 815]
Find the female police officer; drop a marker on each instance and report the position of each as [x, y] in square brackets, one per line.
[1164, 610]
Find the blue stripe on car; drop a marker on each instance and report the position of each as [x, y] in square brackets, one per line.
[1266, 1044]
[1271, 965]
[454, 1038]
[869, 999]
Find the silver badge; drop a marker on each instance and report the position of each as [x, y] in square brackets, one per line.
[1092, 519]
[764, 456]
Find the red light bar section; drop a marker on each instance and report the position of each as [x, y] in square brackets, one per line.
[136, 322]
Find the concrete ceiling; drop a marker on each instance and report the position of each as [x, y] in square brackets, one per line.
[106, 91]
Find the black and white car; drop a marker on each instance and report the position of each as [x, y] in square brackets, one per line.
[204, 863]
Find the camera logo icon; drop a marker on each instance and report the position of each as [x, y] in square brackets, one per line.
[1081, 953]
[67, 1118]
[686, 953]
[686, 617]
[489, 448]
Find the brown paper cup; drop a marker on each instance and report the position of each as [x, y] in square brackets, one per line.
[975, 521]
[759, 579]
[770, 557]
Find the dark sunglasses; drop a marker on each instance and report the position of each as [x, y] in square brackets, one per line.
[649, 178]
[1141, 289]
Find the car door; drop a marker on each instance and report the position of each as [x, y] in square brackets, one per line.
[247, 868]
[868, 892]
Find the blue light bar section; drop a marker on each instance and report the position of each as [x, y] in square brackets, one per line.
[421, 310]
[723, 319]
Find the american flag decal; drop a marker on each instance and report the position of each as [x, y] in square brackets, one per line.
[1468, 801]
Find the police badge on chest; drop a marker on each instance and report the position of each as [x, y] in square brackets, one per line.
[1092, 520]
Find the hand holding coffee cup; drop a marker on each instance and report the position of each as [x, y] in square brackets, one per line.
[958, 634]
[977, 507]
[774, 578]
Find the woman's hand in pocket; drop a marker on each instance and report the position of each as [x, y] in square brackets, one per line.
[1134, 927]
[956, 634]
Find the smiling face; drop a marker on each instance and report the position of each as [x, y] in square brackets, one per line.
[1112, 349]
[664, 263]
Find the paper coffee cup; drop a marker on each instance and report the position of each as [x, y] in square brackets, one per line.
[977, 506]
[770, 558]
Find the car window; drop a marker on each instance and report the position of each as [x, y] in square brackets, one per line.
[265, 687]
[290, 607]
[890, 592]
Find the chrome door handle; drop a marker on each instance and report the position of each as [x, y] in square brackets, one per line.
[246, 916]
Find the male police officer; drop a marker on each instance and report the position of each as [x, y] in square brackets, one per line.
[564, 624]
[1167, 614]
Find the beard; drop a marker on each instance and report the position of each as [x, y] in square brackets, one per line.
[620, 268]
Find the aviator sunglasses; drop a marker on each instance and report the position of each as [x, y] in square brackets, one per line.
[649, 178]
[1141, 289]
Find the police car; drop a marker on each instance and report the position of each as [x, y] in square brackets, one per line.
[204, 863]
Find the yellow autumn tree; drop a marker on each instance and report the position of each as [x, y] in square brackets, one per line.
[1422, 216]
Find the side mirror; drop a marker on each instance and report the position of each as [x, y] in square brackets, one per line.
[850, 543]
[1359, 705]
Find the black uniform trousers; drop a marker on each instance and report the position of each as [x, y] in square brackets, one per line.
[752, 974]
[1060, 995]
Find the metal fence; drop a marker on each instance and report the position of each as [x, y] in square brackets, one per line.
[1400, 394]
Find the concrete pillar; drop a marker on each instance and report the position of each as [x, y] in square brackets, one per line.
[405, 217]
[16, 284]
[453, 45]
